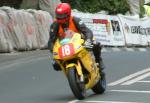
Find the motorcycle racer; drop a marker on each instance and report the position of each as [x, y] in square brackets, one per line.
[65, 21]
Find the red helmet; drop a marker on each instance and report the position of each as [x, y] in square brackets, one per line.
[63, 12]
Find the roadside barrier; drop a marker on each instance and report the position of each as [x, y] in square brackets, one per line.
[118, 30]
[22, 30]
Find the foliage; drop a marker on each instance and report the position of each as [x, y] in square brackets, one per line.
[92, 6]
[142, 10]
[11, 3]
[115, 6]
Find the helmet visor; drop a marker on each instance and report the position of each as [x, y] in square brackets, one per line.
[61, 16]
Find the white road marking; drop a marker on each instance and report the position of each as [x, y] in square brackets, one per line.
[129, 49]
[104, 50]
[142, 49]
[13, 53]
[20, 61]
[136, 79]
[125, 91]
[143, 81]
[116, 49]
[129, 77]
[108, 102]
[131, 91]
[73, 101]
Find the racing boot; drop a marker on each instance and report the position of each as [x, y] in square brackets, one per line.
[56, 65]
[101, 68]
[100, 63]
[97, 53]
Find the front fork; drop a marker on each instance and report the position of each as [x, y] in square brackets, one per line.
[78, 68]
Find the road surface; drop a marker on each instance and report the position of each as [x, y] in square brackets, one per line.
[30, 78]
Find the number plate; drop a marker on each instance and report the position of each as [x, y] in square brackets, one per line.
[66, 50]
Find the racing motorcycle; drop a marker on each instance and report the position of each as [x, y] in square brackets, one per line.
[78, 64]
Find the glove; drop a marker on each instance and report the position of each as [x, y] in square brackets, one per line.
[88, 43]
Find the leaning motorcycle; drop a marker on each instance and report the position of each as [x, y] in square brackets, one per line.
[78, 64]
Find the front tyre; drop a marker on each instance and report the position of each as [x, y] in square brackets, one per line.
[77, 87]
[100, 87]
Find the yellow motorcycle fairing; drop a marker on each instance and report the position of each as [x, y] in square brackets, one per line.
[75, 40]
[68, 57]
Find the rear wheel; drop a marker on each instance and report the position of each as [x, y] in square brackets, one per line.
[77, 87]
[100, 87]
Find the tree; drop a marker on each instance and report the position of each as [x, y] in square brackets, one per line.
[93, 6]
[11, 3]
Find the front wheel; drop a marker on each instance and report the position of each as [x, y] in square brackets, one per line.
[77, 87]
[100, 87]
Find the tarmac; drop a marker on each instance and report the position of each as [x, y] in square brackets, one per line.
[10, 57]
